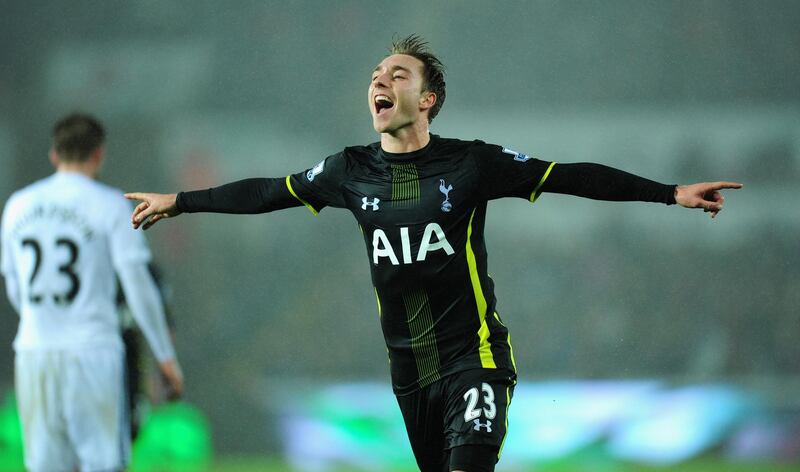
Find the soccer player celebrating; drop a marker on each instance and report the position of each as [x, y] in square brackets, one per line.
[63, 239]
[420, 201]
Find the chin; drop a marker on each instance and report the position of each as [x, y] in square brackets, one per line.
[380, 127]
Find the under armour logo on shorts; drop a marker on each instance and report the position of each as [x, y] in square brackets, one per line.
[479, 425]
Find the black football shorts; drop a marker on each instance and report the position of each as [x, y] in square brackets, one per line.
[465, 408]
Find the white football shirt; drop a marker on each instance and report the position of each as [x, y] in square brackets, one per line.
[62, 239]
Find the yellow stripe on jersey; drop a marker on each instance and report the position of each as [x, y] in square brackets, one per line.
[291, 190]
[510, 347]
[511, 353]
[536, 192]
[378, 298]
[484, 348]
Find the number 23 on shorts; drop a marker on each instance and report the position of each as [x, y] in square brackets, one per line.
[488, 410]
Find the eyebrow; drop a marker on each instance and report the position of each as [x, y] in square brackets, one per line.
[393, 68]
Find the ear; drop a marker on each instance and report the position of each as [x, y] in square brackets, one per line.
[53, 157]
[98, 153]
[97, 156]
[427, 100]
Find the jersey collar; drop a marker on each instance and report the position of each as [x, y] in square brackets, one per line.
[408, 156]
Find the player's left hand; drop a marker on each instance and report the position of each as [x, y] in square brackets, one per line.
[705, 195]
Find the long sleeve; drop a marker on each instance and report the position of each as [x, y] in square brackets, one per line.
[248, 196]
[7, 268]
[507, 173]
[147, 308]
[601, 182]
[12, 290]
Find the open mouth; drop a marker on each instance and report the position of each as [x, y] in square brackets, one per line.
[382, 103]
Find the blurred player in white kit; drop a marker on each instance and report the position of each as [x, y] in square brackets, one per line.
[63, 240]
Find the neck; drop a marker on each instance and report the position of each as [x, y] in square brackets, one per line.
[84, 168]
[406, 139]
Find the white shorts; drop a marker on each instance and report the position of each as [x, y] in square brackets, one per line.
[73, 410]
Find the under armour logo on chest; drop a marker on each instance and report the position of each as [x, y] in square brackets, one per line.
[365, 203]
[479, 425]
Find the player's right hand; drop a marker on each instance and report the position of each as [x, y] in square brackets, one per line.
[153, 207]
[173, 377]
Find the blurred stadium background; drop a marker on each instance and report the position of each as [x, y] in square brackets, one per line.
[647, 338]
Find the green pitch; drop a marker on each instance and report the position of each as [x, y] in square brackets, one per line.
[260, 464]
[709, 465]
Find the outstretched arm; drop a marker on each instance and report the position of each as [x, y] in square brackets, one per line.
[601, 182]
[247, 196]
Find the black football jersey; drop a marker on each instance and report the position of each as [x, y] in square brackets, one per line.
[422, 215]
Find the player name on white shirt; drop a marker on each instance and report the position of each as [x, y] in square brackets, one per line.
[62, 239]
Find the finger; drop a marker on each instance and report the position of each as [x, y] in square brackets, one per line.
[134, 196]
[723, 185]
[712, 213]
[144, 214]
[139, 208]
[714, 196]
[710, 206]
[136, 215]
[153, 219]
